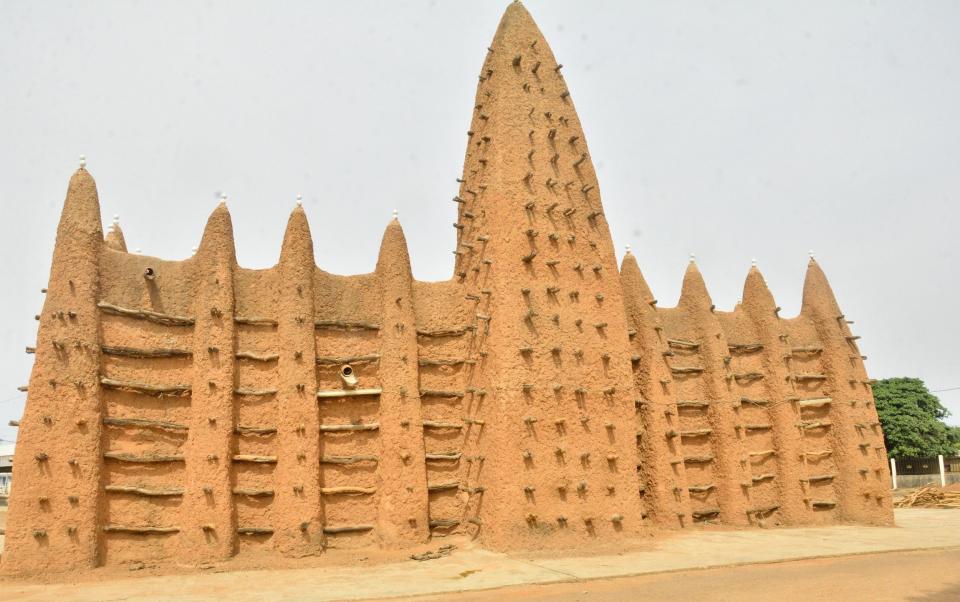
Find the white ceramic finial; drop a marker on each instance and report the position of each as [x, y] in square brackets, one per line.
[628, 249]
[223, 198]
[195, 249]
[693, 258]
[299, 200]
[753, 262]
[394, 214]
[810, 253]
[116, 219]
[83, 161]
[137, 251]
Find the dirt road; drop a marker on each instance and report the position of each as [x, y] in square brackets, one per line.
[932, 576]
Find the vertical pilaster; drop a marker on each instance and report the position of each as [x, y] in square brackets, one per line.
[402, 515]
[864, 412]
[662, 480]
[297, 496]
[761, 308]
[53, 505]
[856, 481]
[208, 523]
[730, 460]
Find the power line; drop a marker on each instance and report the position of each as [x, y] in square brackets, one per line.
[949, 389]
[11, 398]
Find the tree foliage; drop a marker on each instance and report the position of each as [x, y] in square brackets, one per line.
[912, 419]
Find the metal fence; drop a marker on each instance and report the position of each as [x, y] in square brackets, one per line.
[909, 471]
[911, 465]
[907, 465]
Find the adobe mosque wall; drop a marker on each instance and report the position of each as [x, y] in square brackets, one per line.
[190, 411]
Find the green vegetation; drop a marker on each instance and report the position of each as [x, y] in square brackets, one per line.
[912, 419]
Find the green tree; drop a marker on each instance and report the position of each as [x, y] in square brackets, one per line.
[912, 419]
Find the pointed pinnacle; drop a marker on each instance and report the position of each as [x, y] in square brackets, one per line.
[297, 246]
[114, 238]
[394, 256]
[217, 238]
[757, 294]
[817, 291]
[634, 283]
[694, 289]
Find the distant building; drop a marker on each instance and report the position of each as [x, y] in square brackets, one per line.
[6, 467]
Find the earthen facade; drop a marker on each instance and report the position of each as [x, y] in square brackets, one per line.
[190, 411]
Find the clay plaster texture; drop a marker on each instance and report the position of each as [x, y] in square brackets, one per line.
[192, 411]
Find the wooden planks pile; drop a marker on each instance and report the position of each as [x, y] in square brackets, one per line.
[930, 497]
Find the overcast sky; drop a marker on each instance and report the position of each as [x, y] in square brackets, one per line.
[729, 129]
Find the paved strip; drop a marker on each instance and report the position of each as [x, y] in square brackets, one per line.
[928, 575]
[917, 529]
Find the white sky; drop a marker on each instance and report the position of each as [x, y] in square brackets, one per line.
[730, 129]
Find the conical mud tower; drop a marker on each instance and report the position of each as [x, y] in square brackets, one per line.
[188, 412]
[535, 254]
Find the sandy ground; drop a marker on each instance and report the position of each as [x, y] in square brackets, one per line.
[927, 575]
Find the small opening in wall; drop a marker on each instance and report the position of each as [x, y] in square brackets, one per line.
[348, 377]
[149, 274]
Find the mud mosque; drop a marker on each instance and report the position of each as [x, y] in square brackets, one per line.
[191, 411]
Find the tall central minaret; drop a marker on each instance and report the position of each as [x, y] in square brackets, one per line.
[534, 250]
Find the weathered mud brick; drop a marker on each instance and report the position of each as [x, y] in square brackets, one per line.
[191, 411]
